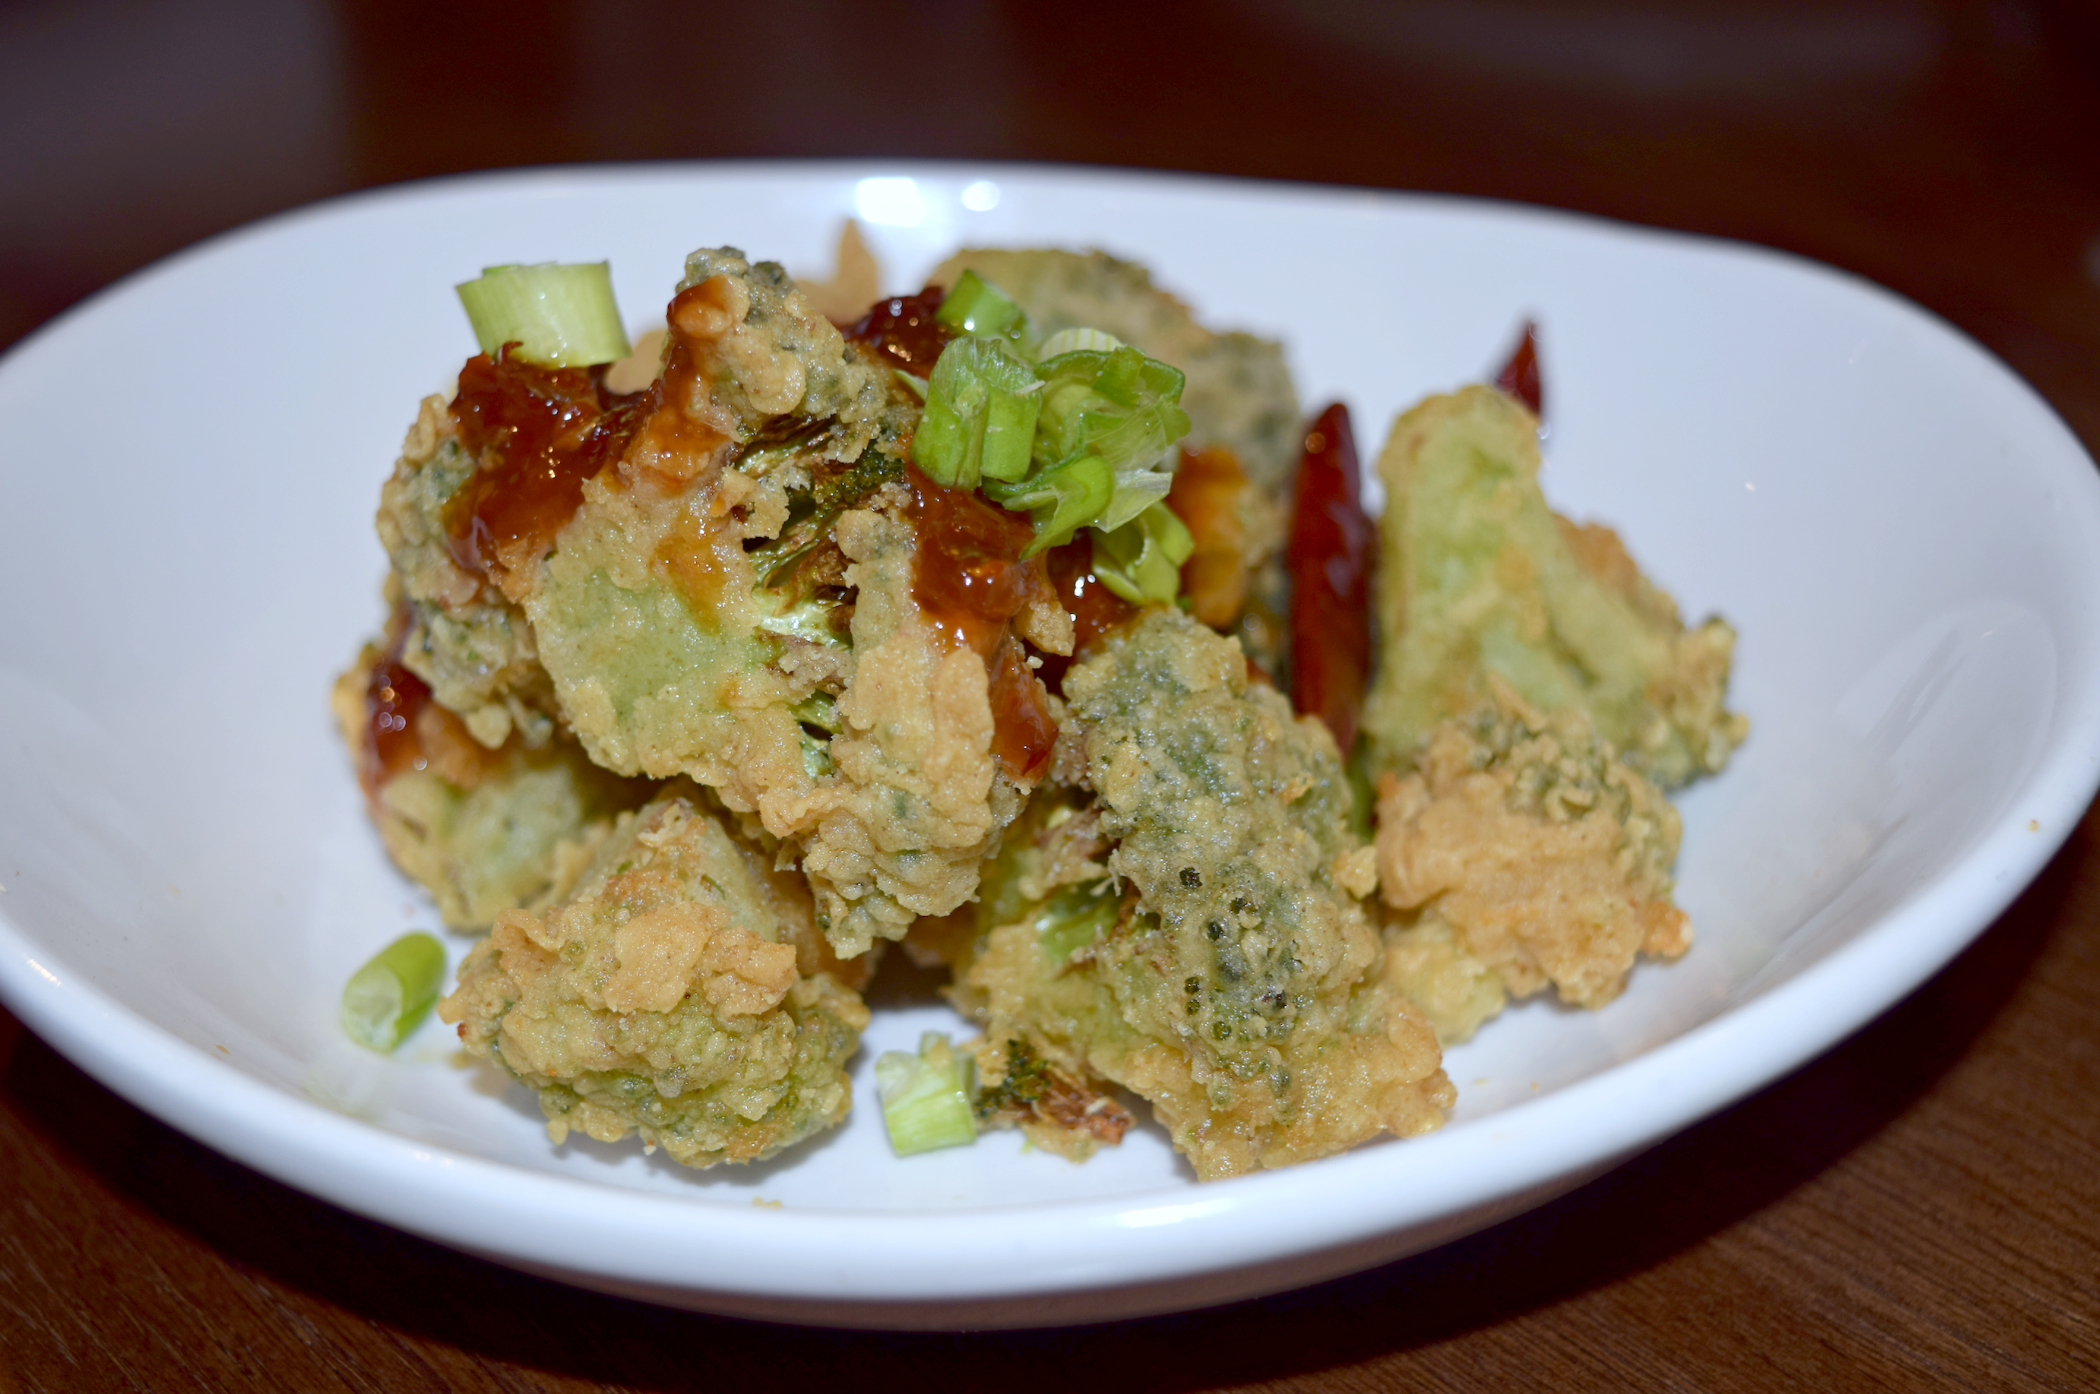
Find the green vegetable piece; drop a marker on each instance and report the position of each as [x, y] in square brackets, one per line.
[926, 1097]
[560, 314]
[388, 997]
[1066, 340]
[981, 408]
[1075, 917]
[1119, 405]
[979, 308]
[1060, 500]
[1141, 560]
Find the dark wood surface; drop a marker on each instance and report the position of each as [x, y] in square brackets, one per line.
[1920, 1207]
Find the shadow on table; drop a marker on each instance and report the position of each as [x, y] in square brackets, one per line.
[1664, 1202]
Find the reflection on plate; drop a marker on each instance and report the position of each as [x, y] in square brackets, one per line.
[1904, 535]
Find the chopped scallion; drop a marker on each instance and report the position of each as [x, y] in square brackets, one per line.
[979, 422]
[977, 307]
[1060, 500]
[388, 997]
[926, 1097]
[1068, 340]
[560, 314]
[1141, 560]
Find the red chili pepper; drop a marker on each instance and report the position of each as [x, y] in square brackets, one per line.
[1520, 376]
[1329, 556]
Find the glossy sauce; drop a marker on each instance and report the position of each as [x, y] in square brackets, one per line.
[970, 581]
[1329, 556]
[1094, 608]
[903, 331]
[1520, 376]
[394, 698]
[538, 433]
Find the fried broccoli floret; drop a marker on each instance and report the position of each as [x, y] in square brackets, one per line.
[482, 830]
[1520, 852]
[681, 991]
[1478, 577]
[726, 591]
[468, 640]
[1189, 932]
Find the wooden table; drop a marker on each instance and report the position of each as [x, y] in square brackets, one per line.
[1919, 1207]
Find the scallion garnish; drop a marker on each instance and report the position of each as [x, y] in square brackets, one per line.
[1082, 437]
[926, 1097]
[1067, 340]
[1060, 500]
[388, 997]
[979, 422]
[977, 307]
[560, 314]
[1141, 560]
[1119, 405]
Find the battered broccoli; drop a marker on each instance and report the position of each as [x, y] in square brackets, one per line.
[681, 991]
[482, 830]
[1520, 852]
[1478, 578]
[1190, 933]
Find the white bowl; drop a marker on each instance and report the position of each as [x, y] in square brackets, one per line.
[1906, 536]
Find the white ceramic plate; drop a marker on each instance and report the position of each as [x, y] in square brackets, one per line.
[1907, 538]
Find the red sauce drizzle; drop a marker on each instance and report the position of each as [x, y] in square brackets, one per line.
[393, 699]
[1329, 556]
[1520, 376]
[539, 434]
[969, 579]
[1094, 608]
[902, 329]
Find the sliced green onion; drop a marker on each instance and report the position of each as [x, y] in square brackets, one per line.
[913, 383]
[978, 307]
[560, 314]
[981, 408]
[1075, 917]
[1068, 340]
[1141, 560]
[388, 997]
[1060, 500]
[1122, 406]
[926, 1097]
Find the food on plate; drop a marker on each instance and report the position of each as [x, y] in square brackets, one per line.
[1233, 484]
[1479, 577]
[968, 622]
[1519, 852]
[1186, 922]
[389, 997]
[680, 991]
[482, 829]
[1330, 557]
[1239, 393]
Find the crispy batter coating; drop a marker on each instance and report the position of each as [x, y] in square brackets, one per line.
[1233, 980]
[467, 640]
[486, 830]
[1479, 578]
[734, 602]
[681, 992]
[1520, 852]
